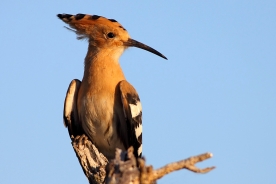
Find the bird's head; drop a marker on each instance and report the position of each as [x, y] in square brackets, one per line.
[103, 33]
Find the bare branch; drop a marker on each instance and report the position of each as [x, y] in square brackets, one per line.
[126, 168]
[184, 164]
[91, 160]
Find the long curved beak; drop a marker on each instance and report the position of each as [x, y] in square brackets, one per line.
[133, 43]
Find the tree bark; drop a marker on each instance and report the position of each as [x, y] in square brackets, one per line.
[126, 168]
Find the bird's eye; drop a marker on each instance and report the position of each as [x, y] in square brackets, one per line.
[110, 35]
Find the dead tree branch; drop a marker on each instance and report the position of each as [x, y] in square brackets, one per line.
[93, 162]
[126, 168]
[188, 164]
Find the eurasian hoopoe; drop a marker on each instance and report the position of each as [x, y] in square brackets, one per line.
[104, 105]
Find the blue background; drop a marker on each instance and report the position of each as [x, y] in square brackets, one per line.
[216, 93]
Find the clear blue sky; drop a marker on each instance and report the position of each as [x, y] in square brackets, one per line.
[216, 93]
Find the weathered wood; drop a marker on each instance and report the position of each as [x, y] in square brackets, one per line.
[91, 160]
[126, 168]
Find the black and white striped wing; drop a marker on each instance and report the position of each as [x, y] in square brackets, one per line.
[133, 114]
[70, 113]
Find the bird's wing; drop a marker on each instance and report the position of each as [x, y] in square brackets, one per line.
[70, 113]
[133, 114]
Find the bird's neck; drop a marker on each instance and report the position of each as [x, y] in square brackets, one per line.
[102, 65]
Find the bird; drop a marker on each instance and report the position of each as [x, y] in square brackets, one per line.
[104, 105]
